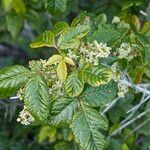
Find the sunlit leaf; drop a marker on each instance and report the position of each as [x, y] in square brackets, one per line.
[97, 96]
[54, 60]
[19, 6]
[62, 70]
[86, 126]
[46, 39]
[12, 78]
[60, 27]
[62, 110]
[69, 61]
[74, 85]
[96, 75]
[36, 98]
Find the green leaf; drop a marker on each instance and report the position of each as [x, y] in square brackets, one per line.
[127, 4]
[36, 98]
[14, 24]
[146, 27]
[35, 65]
[135, 22]
[72, 44]
[72, 34]
[7, 4]
[145, 129]
[56, 6]
[145, 54]
[106, 35]
[114, 145]
[46, 39]
[60, 27]
[78, 19]
[19, 6]
[62, 70]
[125, 147]
[96, 75]
[86, 127]
[47, 132]
[74, 85]
[54, 60]
[69, 61]
[63, 145]
[2, 24]
[101, 95]
[62, 110]
[11, 79]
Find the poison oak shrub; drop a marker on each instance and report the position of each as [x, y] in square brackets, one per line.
[74, 85]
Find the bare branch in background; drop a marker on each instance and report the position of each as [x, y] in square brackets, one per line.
[129, 123]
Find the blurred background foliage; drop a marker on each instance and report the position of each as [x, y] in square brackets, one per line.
[20, 22]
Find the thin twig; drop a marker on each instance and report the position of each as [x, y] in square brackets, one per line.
[138, 105]
[138, 88]
[110, 105]
[143, 13]
[138, 127]
[129, 122]
[135, 108]
[14, 97]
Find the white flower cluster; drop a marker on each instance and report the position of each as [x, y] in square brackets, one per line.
[72, 55]
[57, 89]
[116, 73]
[115, 20]
[53, 74]
[20, 93]
[126, 51]
[25, 117]
[122, 89]
[116, 77]
[92, 51]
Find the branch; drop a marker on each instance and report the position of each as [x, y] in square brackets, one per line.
[138, 88]
[135, 108]
[138, 127]
[129, 122]
[112, 104]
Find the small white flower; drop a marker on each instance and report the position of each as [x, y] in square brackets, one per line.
[57, 89]
[122, 89]
[116, 74]
[93, 51]
[115, 20]
[124, 51]
[18, 119]
[25, 117]
[50, 91]
[72, 55]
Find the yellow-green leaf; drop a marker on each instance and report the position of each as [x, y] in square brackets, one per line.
[135, 22]
[62, 70]
[47, 132]
[125, 147]
[69, 61]
[19, 6]
[7, 4]
[46, 39]
[74, 85]
[96, 75]
[60, 27]
[146, 27]
[72, 34]
[53, 60]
